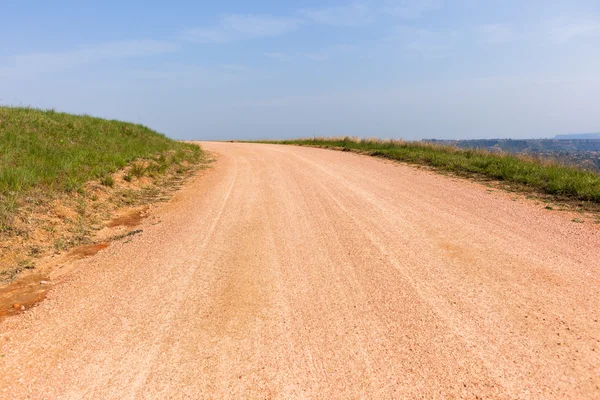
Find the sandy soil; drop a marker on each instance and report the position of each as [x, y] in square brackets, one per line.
[288, 272]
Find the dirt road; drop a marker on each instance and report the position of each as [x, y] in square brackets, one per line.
[287, 272]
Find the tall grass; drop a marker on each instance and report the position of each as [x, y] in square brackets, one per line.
[545, 177]
[52, 151]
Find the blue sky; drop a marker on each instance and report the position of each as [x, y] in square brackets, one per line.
[274, 69]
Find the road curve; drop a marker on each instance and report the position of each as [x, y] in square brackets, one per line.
[288, 272]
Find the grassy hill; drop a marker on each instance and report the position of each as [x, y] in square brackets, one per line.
[531, 174]
[63, 178]
[48, 151]
[62, 151]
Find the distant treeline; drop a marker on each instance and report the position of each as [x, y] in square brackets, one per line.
[525, 145]
[579, 136]
[582, 153]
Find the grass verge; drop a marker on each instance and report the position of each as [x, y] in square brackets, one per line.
[62, 175]
[532, 174]
[62, 152]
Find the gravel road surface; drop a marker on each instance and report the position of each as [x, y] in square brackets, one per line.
[289, 272]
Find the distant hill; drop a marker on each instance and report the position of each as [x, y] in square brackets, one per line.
[578, 136]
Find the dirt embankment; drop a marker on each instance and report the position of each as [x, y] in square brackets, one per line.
[52, 229]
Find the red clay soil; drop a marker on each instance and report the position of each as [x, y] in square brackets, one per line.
[131, 219]
[87, 250]
[23, 294]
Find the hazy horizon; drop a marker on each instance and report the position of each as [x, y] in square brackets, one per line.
[415, 70]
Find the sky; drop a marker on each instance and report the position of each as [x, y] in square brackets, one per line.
[446, 69]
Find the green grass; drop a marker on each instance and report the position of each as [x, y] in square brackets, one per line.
[545, 177]
[51, 151]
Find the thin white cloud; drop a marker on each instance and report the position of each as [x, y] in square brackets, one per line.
[347, 48]
[553, 31]
[322, 56]
[235, 27]
[563, 30]
[239, 27]
[496, 33]
[319, 55]
[411, 9]
[181, 76]
[355, 14]
[28, 65]
[421, 42]
[208, 35]
[331, 52]
[234, 68]
[281, 57]
[259, 26]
